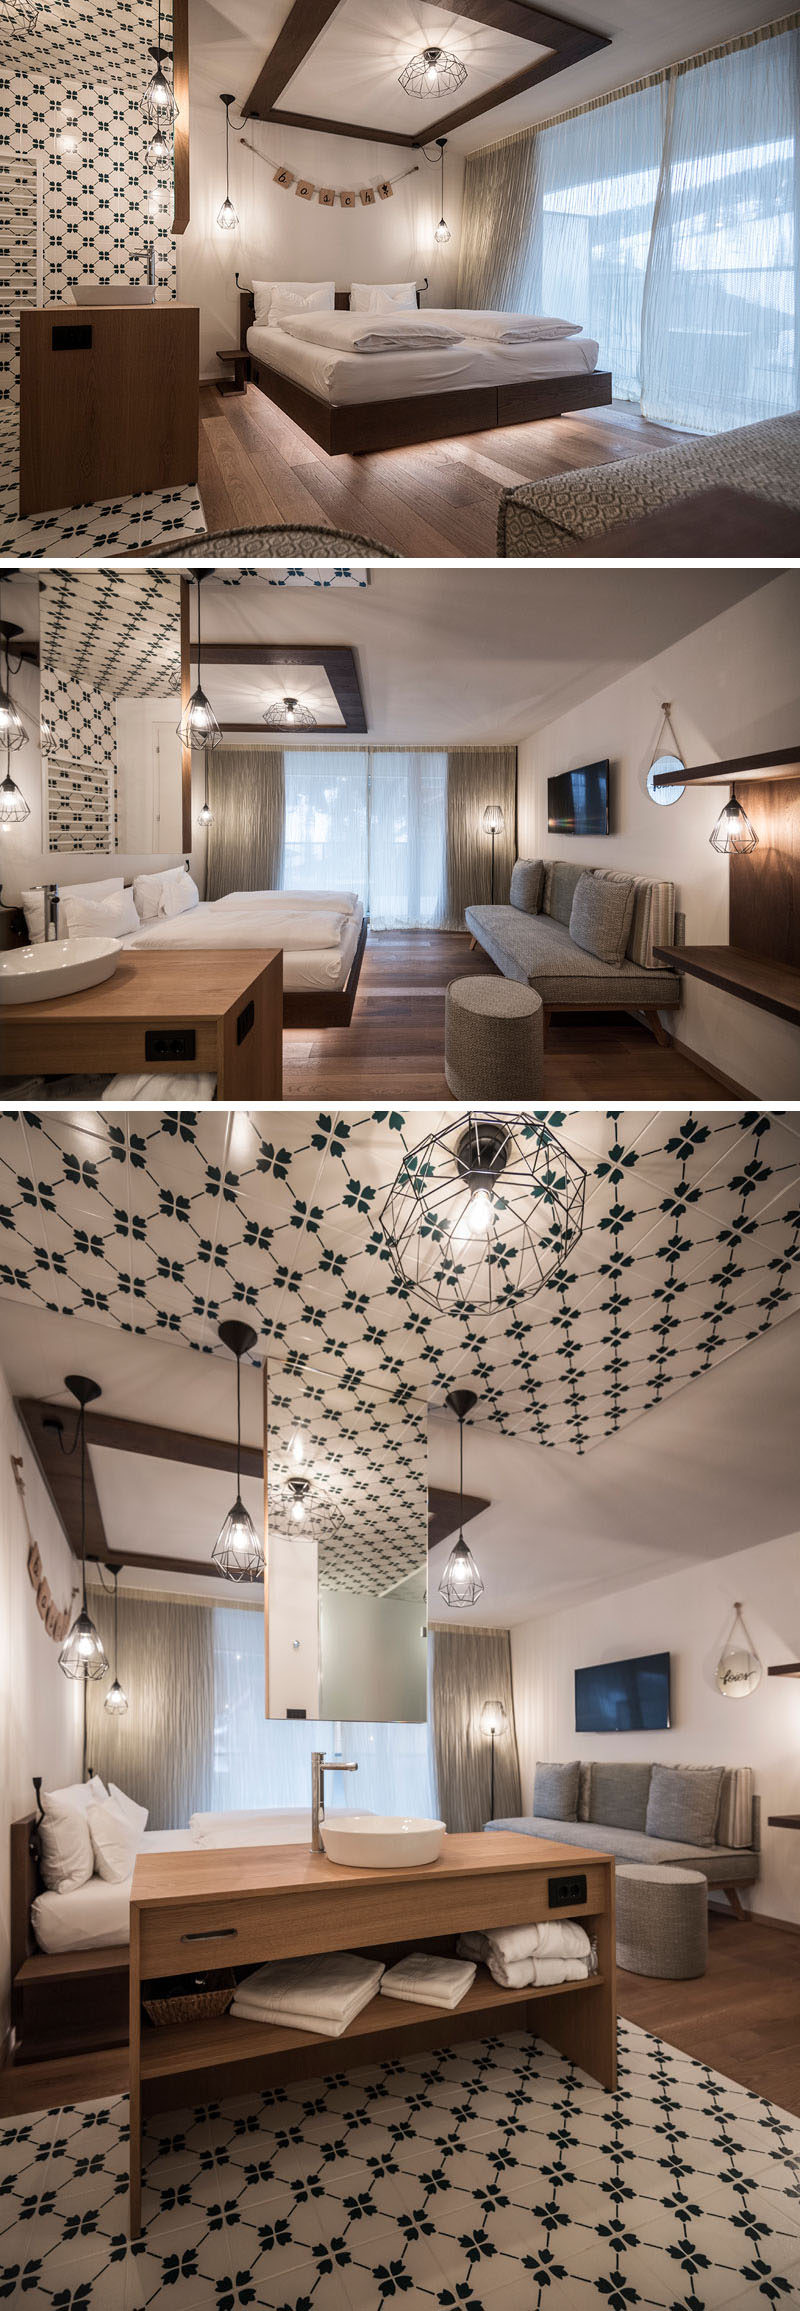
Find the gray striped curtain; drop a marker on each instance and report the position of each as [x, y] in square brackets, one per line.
[162, 1751]
[468, 1668]
[246, 791]
[477, 775]
[498, 227]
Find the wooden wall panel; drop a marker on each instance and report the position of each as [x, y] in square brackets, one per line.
[180, 79]
[765, 885]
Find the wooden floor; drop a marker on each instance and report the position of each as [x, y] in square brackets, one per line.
[394, 1046]
[742, 2017]
[435, 500]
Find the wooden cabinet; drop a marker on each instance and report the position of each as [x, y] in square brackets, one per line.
[109, 402]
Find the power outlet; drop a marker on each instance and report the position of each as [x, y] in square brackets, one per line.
[164, 1043]
[566, 1893]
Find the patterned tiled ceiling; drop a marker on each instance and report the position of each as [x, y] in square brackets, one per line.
[102, 42]
[168, 1223]
[365, 1456]
[115, 631]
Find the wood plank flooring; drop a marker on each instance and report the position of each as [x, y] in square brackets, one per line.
[742, 2017]
[394, 1046]
[434, 501]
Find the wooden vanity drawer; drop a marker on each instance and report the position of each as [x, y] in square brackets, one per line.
[178, 1938]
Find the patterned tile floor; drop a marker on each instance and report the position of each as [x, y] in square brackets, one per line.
[121, 525]
[486, 2179]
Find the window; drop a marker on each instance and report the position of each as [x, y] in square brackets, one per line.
[407, 839]
[326, 820]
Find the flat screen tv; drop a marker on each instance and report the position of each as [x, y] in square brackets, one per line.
[577, 801]
[623, 1696]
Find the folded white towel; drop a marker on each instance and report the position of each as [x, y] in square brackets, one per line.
[555, 1938]
[328, 1986]
[535, 1972]
[319, 2025]
[513, 1976]
[429, 1980]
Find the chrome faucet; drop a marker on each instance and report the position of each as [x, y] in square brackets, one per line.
[151, 264]
[320, 1765]
[52, 902]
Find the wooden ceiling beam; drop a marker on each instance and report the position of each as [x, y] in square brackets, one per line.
[339, 128]
[446, 1512]
[584, 44]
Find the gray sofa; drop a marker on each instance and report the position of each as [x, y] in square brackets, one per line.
[613, 1803]
[534, 943]
[545, 517]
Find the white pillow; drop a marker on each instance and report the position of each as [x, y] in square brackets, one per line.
[109, 918]
[147, 891]
[287, 302]
[66, 1852]
[33, 901]
[136, 1814]
[264, 291]
[402, 293]
[179, 897]
[79, 1796]
[115, 1842]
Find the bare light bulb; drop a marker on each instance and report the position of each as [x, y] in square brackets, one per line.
[480, 1213]
[442, 233]
[298, 1513]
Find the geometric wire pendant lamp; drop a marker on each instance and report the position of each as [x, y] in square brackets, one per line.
[433, 72]
[198, 726]
[303, 1513]
[82, 1656]
[158, 103]
[733, 831]
[289, 714]
[483, 1212]
[227, 219]
[461, 1582]
[237, 1550]
[13, 807]
[116, 1701]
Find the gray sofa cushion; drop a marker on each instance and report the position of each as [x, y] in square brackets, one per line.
[602, 913]
[527, 885]
[684, 1802]
[541, 953]
[555, 1793]
[561, 879]
[618, 1795]
[542, 517]
[721, 1865]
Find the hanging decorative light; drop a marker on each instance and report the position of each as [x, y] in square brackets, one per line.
[205, 815]
[47, 737]
[433, 72]
[116, 1701]
[494, 820]
[13, 807]
[237, 1551]
[289, 714]
[82, 1656]
[12, 728]
[739, 1669]
[20, 15]
[483, 1211]
[227, 219]
[733, 831]
[442, 233]
[158, 103]
[461, 1582]
[158, 151]
[198, 725]
[305, 1514]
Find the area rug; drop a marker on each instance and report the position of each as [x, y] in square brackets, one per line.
[143, 524]
[486, 2179]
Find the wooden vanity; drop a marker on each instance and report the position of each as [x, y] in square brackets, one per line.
[239, 1908]
[109, 399]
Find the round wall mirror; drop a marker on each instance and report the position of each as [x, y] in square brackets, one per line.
[658, 769]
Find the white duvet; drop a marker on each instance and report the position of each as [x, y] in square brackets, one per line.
[255, 919]
[399, 332]
[496, 328]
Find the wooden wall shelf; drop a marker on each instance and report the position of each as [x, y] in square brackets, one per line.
[785, 1669]
[780, 762]
[755, 979]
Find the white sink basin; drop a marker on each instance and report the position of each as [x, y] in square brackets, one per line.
[56, 967]
[381, 1841]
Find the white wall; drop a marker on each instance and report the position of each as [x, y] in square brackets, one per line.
[283, 238]
[734, 686]
[687, 1614]
[40, 1710]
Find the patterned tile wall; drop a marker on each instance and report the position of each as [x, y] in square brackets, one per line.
[118, 630]
[82, 770]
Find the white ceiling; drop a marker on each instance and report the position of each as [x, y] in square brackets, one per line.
[361, 53]
[243, 693]
[230, 41]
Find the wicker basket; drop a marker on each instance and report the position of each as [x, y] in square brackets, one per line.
[195, 2001]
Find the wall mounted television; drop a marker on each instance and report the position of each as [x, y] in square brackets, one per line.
[624, 1696]
[577, 801]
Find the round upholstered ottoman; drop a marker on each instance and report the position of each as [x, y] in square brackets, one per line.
[662, 1921]
[493, 1039]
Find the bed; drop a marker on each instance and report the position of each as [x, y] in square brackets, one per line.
[352, 403]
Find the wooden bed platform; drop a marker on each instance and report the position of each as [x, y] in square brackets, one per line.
[322, 1007]
[63, 2004]
[354, 430]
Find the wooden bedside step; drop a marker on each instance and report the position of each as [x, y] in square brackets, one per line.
[237, 358]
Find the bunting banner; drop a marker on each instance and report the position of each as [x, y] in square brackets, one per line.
[327, 196]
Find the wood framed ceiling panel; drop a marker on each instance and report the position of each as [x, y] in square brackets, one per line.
[567, 43]
[337, 660]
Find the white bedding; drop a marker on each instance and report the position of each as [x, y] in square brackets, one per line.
[373, 333]
[98, 1913]
[347, 379]
[317, 932]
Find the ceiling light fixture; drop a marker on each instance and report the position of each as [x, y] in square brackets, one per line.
[116, 1702]
[433, 72]
[493, 824]
[227, 219]
[237, 1551]
[483, 1211]
[733, 831]
[198, 725]
[461, 1582]
[82, 1656]
[205, 815]
[289, 714]
[442, 233]
[13, 807]
[158, 103]
[304, 1513]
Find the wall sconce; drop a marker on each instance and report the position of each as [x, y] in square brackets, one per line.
[494, 1723]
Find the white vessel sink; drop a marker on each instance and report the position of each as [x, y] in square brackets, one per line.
[381, 1841]
[56, 967]
[114, 293]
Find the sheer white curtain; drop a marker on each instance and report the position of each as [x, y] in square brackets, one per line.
[265, 1762]
[408, 805]
[325, 846]
[721, 346]
[597, 178]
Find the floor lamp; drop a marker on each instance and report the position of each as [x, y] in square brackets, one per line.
[493, 824]
[493, 1724]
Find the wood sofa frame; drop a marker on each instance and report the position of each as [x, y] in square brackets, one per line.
[356, 430]
[71, 2001]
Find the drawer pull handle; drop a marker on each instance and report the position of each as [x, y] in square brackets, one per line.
[219, 1934]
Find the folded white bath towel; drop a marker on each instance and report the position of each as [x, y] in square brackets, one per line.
[555, 1938]
[542, 1968]
[319, 2025]
[332, 1987]
[428, 1980]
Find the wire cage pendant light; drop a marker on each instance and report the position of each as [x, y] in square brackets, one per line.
[158, 103]
[303, 1512]
[484, 1211]
[289, 714]
[461, 1582]
[158, 151]
[116, 1701]
[237, 1551]
[82, 1656]
[442, 233]
[733, 831]
[13, 807]
[227, 219]
[198, 726]
[433, 72]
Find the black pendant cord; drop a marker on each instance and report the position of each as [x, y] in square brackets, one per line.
[238, 1428]
[116, 1645]
[227, 152]
[199, 660]
[461, 1476]
[205, 790]
[83, 1501]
